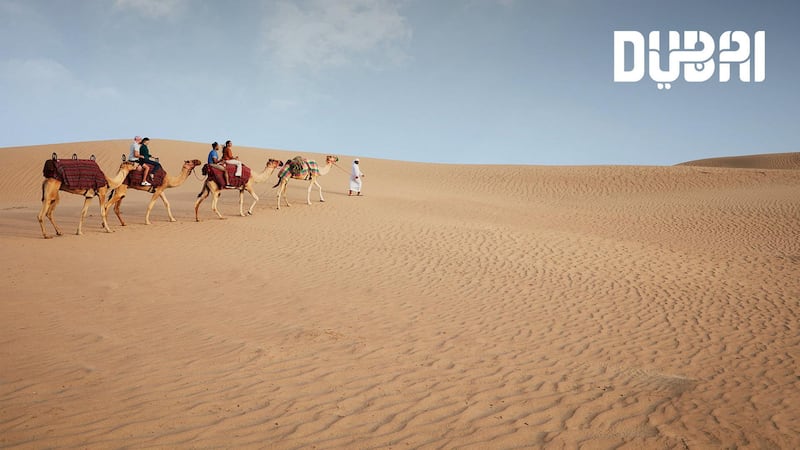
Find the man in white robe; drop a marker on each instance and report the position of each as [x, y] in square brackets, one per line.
[355, 178]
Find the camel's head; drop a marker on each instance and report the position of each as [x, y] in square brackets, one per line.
[330, 159]
[127, 165]
[273, 163]
[192, 164]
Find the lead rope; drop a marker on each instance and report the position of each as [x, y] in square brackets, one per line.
[346, 172]
[195, 174]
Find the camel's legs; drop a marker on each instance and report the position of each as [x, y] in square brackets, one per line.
[51, 213]
[86, 201]
[203, 194]
[166, 205]
[101, 196]
[310, 187]
[282, 193]
[280, 187]
[252, 194]
[40, 216]
[214, 201]
[214, 198]
[48, 207]
[117, 205]
[153, 202]
[149, 208]
[285, 197]
[116, 202]
[322, 199]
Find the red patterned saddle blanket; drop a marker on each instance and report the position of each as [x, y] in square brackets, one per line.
[237, 182]
[75, 173]
[134, 177]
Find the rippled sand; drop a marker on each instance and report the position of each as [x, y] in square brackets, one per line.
[451, 306]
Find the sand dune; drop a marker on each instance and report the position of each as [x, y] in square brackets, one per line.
[452, 306]
[784, 161]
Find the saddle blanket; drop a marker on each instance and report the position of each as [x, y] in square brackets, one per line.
[134, 177]
[75, 173]
[237, 182]
[299, 168]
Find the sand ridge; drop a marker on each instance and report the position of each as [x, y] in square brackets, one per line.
[451, 306]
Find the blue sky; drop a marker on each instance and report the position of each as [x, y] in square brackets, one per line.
[470, 81]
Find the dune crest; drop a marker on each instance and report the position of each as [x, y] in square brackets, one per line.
[783, 161]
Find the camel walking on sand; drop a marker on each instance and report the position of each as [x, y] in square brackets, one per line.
[311, 176]
[211, 187]
[50, 198]
[115, 199]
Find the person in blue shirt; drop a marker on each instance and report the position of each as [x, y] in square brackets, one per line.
[215, 161]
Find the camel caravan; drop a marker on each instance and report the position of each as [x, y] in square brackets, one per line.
[84, 177]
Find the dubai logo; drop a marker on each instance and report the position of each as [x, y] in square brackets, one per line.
[697, 56]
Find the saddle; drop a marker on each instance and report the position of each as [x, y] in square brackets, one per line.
[217, 176]
[299, 168]
[75, 173]
[156, 177]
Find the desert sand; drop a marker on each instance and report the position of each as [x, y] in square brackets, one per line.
[450, 306]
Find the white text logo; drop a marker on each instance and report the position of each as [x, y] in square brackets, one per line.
[695, 56]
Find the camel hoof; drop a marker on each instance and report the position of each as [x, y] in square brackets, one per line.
[173, 220]
[249, 213]
[48, 237]
[322, 200]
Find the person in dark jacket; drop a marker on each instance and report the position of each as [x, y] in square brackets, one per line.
[146, 160]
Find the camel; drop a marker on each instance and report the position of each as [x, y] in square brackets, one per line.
[115, 199]
[211, 187]
[312, 180]
[50, 198]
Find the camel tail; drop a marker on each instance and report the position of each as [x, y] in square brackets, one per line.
[43, 182]
[205, 188]
[276, 184]
[111, 194]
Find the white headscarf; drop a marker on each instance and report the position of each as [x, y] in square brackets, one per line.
[356, 172]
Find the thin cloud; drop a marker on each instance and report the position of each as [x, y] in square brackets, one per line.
[323, 33]
[42, 77]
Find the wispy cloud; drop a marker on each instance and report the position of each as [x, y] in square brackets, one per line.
[330, 33]
[42, 77]
[152, 8]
